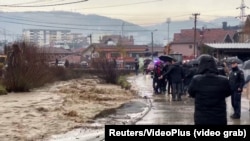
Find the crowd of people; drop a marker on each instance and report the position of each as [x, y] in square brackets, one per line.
[206, 80]
[172, 77]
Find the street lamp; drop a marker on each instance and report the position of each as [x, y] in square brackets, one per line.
[152, 45]
[168, 22]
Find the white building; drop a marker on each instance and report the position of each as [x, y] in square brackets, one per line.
[44, 37]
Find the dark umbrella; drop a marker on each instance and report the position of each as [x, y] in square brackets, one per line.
[166, 58]
[199, 57]
[246, 65]
[235, 59]
[193, 62]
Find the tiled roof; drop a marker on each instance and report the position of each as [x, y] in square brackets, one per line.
[229, 45]
[186, 35]
[54, 50]
[72, 58]
[78, 50]
[216, 35]
[157, 49]
[127, 48]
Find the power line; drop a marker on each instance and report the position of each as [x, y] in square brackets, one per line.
[120, 5]
[81, 25]
[58, 4]
[31, 2]
[63, 27]
[27, 20]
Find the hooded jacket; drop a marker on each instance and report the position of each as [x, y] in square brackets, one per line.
[209, 91]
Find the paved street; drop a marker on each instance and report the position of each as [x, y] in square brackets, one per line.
[165, 111]
[159, 110]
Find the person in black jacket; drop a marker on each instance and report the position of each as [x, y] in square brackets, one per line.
[210, 91]
[237, 81]
[176, 75]
[156, 81]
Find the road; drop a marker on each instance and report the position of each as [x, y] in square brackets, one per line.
[165, 111]
[159, 110]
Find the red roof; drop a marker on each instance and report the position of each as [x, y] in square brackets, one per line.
[54, 50]
[216, 35]
[78, 50]
[72, 58]
[186, 35]
[132, 48]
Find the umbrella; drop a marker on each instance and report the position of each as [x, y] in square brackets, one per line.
[193, 62]
[166, 58]
[230, 59]
[246, 65]
[199, 58]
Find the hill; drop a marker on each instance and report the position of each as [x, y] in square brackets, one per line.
[12, 24]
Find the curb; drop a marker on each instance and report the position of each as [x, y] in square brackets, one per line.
[148, 103]
[142, 114]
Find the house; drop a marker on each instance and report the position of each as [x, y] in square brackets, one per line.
[116, 40]
[124, 55]
[245, 33]
[183, 42]
[53, 53]
[240, 49]
[222, 50]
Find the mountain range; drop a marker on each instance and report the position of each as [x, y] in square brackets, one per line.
[12, 24]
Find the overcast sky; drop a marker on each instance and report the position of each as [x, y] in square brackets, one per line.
[142, 12]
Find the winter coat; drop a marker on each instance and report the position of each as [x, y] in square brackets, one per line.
[189, 75]
[175, 73]
[236, 79]
[210, 91]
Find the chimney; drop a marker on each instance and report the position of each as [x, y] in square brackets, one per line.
[224, 25]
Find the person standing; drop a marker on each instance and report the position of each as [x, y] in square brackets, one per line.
[56, 63]
[175, 73]
[164, 81]
[156, 81]
[137, 67]
[210, 90]
[237, 81]
[66, 64]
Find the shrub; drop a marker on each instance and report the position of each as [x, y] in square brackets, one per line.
[108, 71]
[26, 67]
[2, 90]
[122, 81]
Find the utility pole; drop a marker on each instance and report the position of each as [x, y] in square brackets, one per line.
[168, 22]
[242, 13]
[90, 38]
[122, 29]
[195, 21]
[5, 41]
[152, 45]
[242, 17]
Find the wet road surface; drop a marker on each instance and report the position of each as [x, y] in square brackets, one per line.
[160, 109]
[165, 111]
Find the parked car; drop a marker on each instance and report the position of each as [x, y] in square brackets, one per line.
[61, 63]
[84, 64]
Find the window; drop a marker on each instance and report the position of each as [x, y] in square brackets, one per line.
[134, 54]
[102, 54]
[115, 54]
